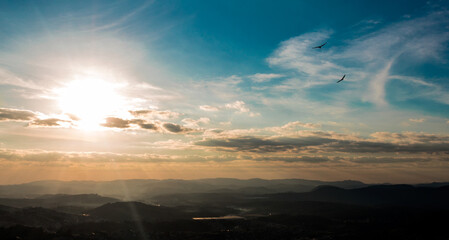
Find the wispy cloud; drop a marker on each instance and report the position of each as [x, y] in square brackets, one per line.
[239, 107]
[368, 60]
[264, 77]
[417, 120]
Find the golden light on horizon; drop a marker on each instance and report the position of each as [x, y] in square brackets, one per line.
[90, 100]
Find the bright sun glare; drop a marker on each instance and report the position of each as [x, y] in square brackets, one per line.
[90, 101]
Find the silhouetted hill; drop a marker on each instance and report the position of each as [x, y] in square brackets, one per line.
[58, 201]
[395, 195]
[136, 211]
[141, 189]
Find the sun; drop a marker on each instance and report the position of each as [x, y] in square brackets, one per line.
[89, 101]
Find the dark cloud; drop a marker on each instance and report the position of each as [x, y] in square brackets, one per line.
[149, 126]
[8, 114]
[307, 159]
[259, 144]
[49, 122]
[389, 159]
[375, 147]
[325, 142]
[175, 128]
[113, 122]
[145, 125]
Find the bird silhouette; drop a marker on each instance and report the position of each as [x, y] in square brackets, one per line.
[342, 78]
[320, 46]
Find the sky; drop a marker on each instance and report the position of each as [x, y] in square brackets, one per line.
[103, 90]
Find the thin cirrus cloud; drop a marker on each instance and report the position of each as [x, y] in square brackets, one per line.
[265, 77]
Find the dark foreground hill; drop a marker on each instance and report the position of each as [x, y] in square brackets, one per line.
[136, 211]
[36, 217]
[379, 195]
[326, 212]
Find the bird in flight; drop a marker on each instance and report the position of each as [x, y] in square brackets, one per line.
[342, 78]
[322, 45]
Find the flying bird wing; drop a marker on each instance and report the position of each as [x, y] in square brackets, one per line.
[320, 45]
[342, 78]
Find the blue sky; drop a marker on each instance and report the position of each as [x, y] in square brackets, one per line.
[189, 89]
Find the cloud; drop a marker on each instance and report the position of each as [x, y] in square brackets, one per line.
[295, 53]
[264, 77]
[208, 108]
[145, 125]
[410, 137]
[49, 122]
[406, 159]
[417, 120]
[189, 122]
[262, 144]
[330, 142]
[377, 86]
[41, 156]
[239, 106]
[288, 129]
[155, 114]
[9, 114]
[292, 126]
[113, 122]
[175, 128]
[228, 123]
[9, 78]
[305, 159]
[34, 119]
[73, 117]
